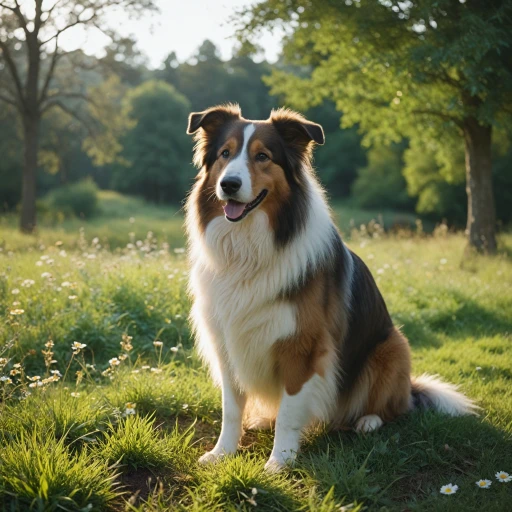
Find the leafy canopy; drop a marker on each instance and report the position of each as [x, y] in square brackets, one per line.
[386, 63]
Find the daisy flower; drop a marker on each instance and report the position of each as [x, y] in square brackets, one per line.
[174, 349]
[77, 346]
[75, 395]
[449, 489]
[483, 484]
[158, 343]
[16, 312]
[114, 361]
[5, 379]
[503, 476]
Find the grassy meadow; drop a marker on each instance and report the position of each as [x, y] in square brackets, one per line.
[105, 405]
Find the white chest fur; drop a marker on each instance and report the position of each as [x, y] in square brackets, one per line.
[236, 279]
[236, 300]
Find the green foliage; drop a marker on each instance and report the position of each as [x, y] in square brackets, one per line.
[439, 190]
[338, 161]
[105, 148]
[42, 473]
[79, 199]
[381, 181]
[385, 64]
[133, 442]
[207, 80]
[156, 148]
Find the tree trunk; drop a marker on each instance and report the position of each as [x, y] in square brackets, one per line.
[28, 193]
[481, 225]
[31, 122]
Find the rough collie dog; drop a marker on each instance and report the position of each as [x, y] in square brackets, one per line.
[289, 320]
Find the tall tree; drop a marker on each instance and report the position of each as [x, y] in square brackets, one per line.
[30, 37]
[398, 68]
[154, 161]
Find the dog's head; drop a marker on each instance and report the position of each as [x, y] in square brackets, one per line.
[246, 164]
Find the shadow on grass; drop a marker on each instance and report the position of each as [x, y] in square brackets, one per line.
[406, 462]
[465, 318]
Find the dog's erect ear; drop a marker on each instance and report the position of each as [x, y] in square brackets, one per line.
[211, 119]
[295, 128]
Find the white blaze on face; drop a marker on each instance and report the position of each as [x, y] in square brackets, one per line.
[239, 167]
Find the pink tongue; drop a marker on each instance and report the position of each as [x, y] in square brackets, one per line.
[233, 209]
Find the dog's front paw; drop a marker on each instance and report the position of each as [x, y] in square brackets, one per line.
[274, 465]
[210, 457]
[280, 461]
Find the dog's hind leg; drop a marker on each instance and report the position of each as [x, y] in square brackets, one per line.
[369, 423]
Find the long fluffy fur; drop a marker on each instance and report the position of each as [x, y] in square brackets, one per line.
[284, 313]
[430, 392]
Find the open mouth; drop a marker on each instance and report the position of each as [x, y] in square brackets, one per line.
[236, 211]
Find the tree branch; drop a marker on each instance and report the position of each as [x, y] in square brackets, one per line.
[435, 113]
[443, 77]
[8, 100]
[70, 112]
[49, 76]
[37, 19]
[49, 12]
[77, 21]
[21, 18]
[72, 95]
[14, 72]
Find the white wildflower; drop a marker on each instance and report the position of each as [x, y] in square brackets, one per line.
[449, 489]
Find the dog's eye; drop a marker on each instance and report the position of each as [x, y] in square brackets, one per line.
[261, 157]
[225, 153]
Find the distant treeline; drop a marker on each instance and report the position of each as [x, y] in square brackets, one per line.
[131, 138]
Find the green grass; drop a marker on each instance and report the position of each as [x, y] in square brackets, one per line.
[70, 444]
[122, 220]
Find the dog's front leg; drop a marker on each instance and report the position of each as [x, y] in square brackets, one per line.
[293, 416]
[233, 403]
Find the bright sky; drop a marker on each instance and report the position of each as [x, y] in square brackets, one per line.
[181, 26]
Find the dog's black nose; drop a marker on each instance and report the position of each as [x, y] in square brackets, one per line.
[231, 185]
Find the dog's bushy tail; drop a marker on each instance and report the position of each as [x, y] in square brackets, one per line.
[430, 392]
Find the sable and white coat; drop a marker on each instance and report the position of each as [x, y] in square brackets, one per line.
[288, 319]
